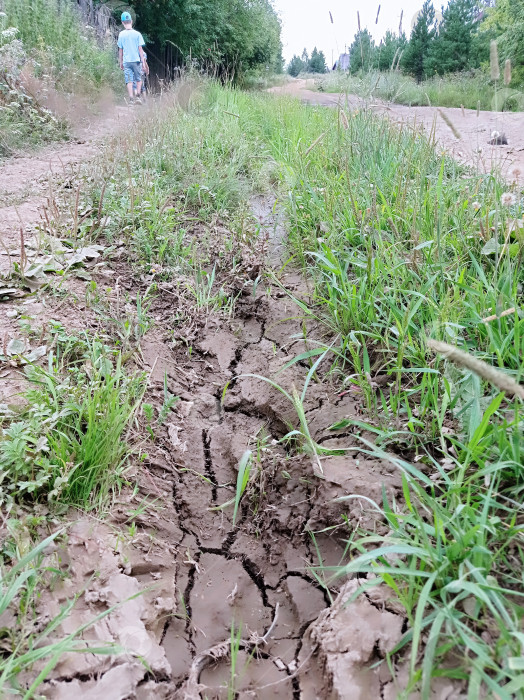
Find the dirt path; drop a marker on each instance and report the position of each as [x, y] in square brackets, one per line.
[27, 182]
[461, 133]
[203, 573]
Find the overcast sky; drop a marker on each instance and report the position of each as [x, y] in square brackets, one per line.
[306, 23]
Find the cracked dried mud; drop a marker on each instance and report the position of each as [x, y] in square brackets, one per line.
[200, 573]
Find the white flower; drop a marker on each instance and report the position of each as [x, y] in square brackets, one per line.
[476, 206]
[516, 173]
[9, 33]
[508, 199]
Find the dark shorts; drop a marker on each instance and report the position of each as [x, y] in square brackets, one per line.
[133, 72]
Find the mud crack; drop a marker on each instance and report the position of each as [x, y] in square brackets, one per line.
[210, 472]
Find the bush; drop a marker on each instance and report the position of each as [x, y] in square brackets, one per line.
[59, 45]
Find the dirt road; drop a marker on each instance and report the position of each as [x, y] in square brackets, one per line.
[173, 535]
[462, 133]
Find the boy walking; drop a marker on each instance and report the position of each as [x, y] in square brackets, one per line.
[131, 56]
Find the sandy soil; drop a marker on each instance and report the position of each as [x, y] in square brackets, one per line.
[472, 148]
[201, 572]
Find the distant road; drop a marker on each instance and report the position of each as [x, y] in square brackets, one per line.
[472, 148]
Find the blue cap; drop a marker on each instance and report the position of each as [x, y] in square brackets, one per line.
[126, 17]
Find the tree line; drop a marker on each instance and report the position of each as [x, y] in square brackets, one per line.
[316, 63]
[231, 36]
[457, 40]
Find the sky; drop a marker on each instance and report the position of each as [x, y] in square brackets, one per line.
[306, 23]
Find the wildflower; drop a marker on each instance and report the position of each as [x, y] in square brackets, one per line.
[508, 199]
[516, 173]
[476, 206]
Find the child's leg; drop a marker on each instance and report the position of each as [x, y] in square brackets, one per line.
[131, 75]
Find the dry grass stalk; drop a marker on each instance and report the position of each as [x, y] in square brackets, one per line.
[494, 317]
[507, 72]
[448, 121]
[392, 67]
[315, 142]
[494, 60]
[23, 253]
[344, 120]
[479, 367]
[360, 38]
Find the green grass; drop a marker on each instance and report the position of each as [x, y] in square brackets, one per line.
[58, 43]
[68, 445]
[48, 57]
[178, 196]
[470, 90]
[32, 640]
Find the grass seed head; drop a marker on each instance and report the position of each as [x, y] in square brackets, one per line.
[479, 367]
[494, 60]
[507, 72]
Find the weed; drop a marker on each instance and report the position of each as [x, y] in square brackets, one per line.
[243, 476]
[168, 403]
[236, 638]
[148, 410]
[297, 400]
[68, 442]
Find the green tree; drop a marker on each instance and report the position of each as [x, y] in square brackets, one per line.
[234, 35]
[362, 52]
[391, 49]
[317, 62]
[506, 20]
[422, 36]
[450, 52]
[296, 66]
